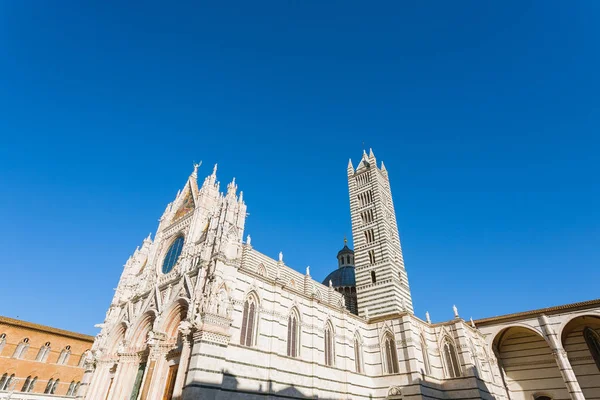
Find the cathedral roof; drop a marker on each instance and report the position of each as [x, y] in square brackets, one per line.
[343, 276]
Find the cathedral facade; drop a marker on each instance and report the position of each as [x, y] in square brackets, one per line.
[200, 314]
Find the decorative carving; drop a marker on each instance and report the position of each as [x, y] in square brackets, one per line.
[395, 391]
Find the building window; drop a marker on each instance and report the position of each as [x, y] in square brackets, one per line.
[54, 386]
[293, 343]
[6, 381]
[369, 236]
[358, 355]
[2, 341]
[425, 355]
[31, 385]
[21, 349]
[373, 277]
[26, 384]
[49, 386]
[451, 359]
[71, 389]
[76, 390]
[391, 356]
[372, 256]
[82, 359]
[593, 343]
[329, 353]
[249, 319]
[42, 355]
[172, 255]
[63, 358]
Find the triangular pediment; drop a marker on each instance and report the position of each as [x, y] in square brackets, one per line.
[186, 204]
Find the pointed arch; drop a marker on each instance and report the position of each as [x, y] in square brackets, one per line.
[144, 325]
[63, 358]
[6, 381]
[425, 355]
[293, 337]
[261, 270]
[249, 327]
[450, 357]
[2, 342]
[170, 319]
[592, 340]
[43, 353]
[358, 353]
[21, 349]
[390, 354]
[329, 345]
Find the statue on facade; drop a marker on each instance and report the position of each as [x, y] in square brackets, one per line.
[455, 311]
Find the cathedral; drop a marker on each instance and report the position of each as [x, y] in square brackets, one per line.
[199, 313]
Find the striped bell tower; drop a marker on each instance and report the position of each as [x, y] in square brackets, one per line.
[381, 280]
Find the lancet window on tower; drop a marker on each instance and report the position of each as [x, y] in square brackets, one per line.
[365, 198]
[372, 256]
[369, 236]
[367, 216]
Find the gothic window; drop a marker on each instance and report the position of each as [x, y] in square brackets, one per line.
[2, 341]
[49, 386]
[26, 384]
[390, 354]
[425, 355]
[54, 386]
[249, 321]
[451, 359]
[369, 236]
[172, 255]
[293, 342]
[372, 256]
[593, 343]
[21, 349]
[42, 355]
[373, 277]
[71, 388]
[76, 390]
[329, 343]
[29, 387]
[63, 358]
[6, 381]
[358, 355]
[82, 359]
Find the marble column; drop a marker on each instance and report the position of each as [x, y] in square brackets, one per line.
[564, 365]
[184, 359]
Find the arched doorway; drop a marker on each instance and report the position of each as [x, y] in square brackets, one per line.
[171, 387]
[581, 340]
[527, 365]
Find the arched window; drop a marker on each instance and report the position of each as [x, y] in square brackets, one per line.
[329, 343]
[451, 359]
[26, 384]
[172, 255]
[358, 361]
[390, 354]
[71, 388]
[593, 343]
[21, 349]
[31, 385]
[373, 278]
[81, 363]
[2, 341]
[293, 342]
[262, 271]
[42, 355]
[425, 355]
[63, 358]
[49, 386]
[249, 321]
[54, 386]
[3, 382]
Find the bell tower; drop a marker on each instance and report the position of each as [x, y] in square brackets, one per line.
[381, 279]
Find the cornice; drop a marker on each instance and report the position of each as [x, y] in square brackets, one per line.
[44, 328]
[533, 313]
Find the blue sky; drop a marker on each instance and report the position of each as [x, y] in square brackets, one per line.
[486, 115]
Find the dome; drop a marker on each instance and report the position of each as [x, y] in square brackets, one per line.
[343, 276]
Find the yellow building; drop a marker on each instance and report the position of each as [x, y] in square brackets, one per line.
[40, 359]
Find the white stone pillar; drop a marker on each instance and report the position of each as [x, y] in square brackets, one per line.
[184, 360]
[564, 365]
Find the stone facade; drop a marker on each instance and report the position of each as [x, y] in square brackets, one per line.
[39, 361]
[199, 313]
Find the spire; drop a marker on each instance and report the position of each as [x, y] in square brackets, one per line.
[350, 167]
[214, 173]
[196, 166]
[383, 167]
[231, 188]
